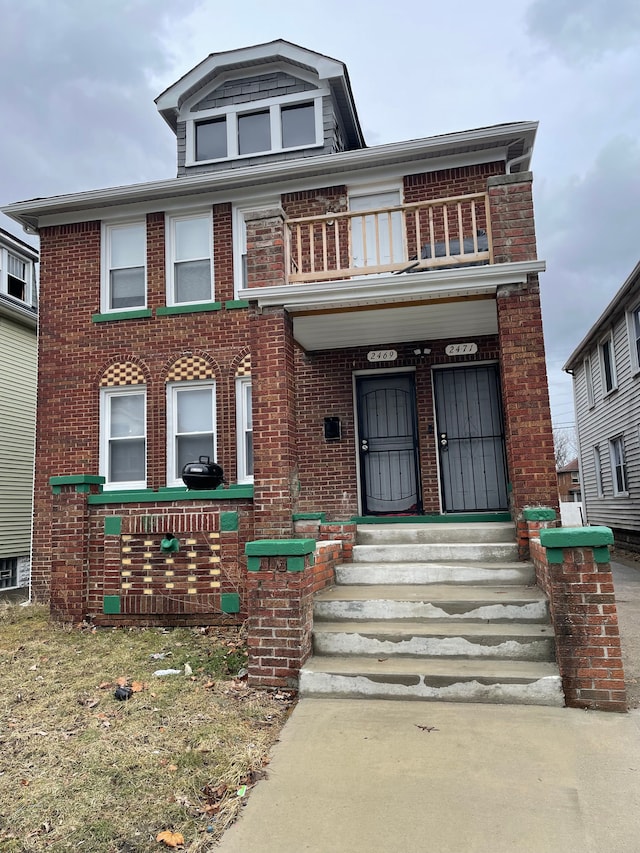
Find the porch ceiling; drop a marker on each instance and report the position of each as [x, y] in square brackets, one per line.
[383, 310]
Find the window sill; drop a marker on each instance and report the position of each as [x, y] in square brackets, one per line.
[194, 308]
[621, 495]
[138, 314]
[232, 492]
[609, 392]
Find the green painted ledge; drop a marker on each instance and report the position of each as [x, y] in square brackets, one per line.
[138, 314]
[82, 482]
[558, 538]
[196, 308]
[538, 513]
[280, 547]
[310, 516]
[236, 303]
[448, 518]
[167, 495]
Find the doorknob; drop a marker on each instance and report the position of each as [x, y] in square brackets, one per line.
[444, 441]
[364, 445]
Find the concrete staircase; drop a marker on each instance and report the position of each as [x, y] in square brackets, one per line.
[434, 611]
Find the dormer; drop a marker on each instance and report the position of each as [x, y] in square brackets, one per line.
[260, 104]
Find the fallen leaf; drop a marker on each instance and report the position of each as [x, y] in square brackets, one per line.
[121, 682]
[209, 685]
[137, 686]
[172, 768]
[25, 782]
[104, 685]
[170, 838]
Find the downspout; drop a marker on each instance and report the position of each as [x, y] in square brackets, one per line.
[517, 160]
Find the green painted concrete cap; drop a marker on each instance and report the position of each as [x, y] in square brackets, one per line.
[576, 537]
[228, 521]
[111, 604]
[113, 525]
[539, 513]
[280, 547]
[230, 602]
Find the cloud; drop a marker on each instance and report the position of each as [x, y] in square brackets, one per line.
[581, 31]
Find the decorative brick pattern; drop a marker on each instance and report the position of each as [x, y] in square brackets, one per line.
[123, 373]
[189, 368]
[244, 368]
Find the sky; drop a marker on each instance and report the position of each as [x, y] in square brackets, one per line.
[78, 80]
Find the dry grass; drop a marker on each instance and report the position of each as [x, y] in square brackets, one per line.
[80, 770]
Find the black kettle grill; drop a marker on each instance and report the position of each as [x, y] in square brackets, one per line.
[203, 474]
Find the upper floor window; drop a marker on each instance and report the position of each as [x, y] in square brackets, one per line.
[16, 276]
[244, 429]
[190, 426]
[262, 127]
[588, 378]
[189, 259]
[634, 338]
[618, 466]
[123, 437]
[376, 238]
[124, 266]
[608, 365]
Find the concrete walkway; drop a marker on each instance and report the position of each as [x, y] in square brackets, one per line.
[362, 776]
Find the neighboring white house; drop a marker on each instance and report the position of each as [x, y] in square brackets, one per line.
[18, 383]
[606, 382]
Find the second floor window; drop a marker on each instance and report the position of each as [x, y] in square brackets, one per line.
[189, 259]
[124, 272]
[16, 277]
[123, 437]
[634, 330]
[588, 378]
[607, 362]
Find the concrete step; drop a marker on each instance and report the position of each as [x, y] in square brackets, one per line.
[435, 533]
[424, 572]
[438, 679]
[417, 552]
[440, 639]
[436, 602]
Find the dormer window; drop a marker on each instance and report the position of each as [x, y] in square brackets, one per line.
[265, 127]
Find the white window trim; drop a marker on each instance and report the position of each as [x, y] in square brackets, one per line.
[105, 255]
[632, 337]
[614, 375]
[28, 281]
[240, 212]
[231, 113]
[588, 378]
[597, 466]
[105, 394]
[241, 429]
[172, 412]
[170, 219]
[622, 493]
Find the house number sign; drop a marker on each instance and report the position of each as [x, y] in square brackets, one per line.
[461, 349]
[382, 355]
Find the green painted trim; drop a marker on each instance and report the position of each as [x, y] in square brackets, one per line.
[538, 513]
[229, 521]
[448, 518]
[576, 537]
[253, 564]
[295, 564]
[113, 525]
[280, 547]
[82, 483]
[138, 314]
[230, 602]
[196, 308]
[166, 495]
[555, 556]
[111, 604]
[236, 303]
[601, 554]
[311, 516]
[170, 545]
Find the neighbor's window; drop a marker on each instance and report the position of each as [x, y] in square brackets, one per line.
[244, 430]
[8, 572]
[607, 361]
[16, 276]
[588, 378]
[634, 331]
[618, 466]
[189, 261]
[124, 266]
[191, 426]
[123, 437]
[597, 464]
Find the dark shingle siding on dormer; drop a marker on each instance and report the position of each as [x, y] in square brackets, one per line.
[253, 89]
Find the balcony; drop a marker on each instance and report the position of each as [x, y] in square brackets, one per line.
[428, 235]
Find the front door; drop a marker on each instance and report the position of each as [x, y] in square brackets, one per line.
[470, 437]
[388, 444]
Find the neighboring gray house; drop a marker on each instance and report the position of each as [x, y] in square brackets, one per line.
[606, 383]
[18, 383]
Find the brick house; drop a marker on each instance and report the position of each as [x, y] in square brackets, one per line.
[569, 482]
[347, 330]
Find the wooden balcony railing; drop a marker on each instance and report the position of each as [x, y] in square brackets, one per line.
[428, 234]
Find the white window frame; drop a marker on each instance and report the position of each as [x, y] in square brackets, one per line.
[633, 332]
[588, 378]
[29, 290]
[617, 444]
[243, 426]
[370, 191]
[233, 111]
[173, 389]
[8, 573]
[170, 243]
[107, 230]
[597, 465]
[607, 343]
[106, 394]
